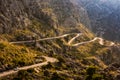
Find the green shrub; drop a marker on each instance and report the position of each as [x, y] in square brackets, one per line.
[56, 76]
[46, 73]
[23, 75]
[48, 66]
[30, 70]
[2, 45]
[97, 77]
[88, 77]
[61, 59]
[91, 70]
[22, 72]
[92, 75]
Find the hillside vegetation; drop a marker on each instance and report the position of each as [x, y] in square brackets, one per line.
[12, 56]
[26, 20]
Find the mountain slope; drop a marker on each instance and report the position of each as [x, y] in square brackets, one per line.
[45, 27]
[43, 18]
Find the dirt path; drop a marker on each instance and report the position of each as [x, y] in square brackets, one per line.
[101, 41]
[112, 44]
[96, 38]
[48, 59]
[50, 38]
[74, 38]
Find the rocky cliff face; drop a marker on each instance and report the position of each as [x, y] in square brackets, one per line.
[19, 14]
[12, 14]
[101, 16]
[50, 14]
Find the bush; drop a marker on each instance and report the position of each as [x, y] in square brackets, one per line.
[23, 75]
[48, 66]
[62, 60]
[88, 77]
[97, 77]
[2, 46]
[30, 70]
[55, 76]
[46, 73]
[22, 72]
[91, 74]
[91, 70]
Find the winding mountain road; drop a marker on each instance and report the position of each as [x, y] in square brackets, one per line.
[50, 38]
[48, 59]
[101, 42]
[74, 38]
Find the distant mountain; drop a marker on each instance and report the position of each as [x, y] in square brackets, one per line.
[104, 16]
